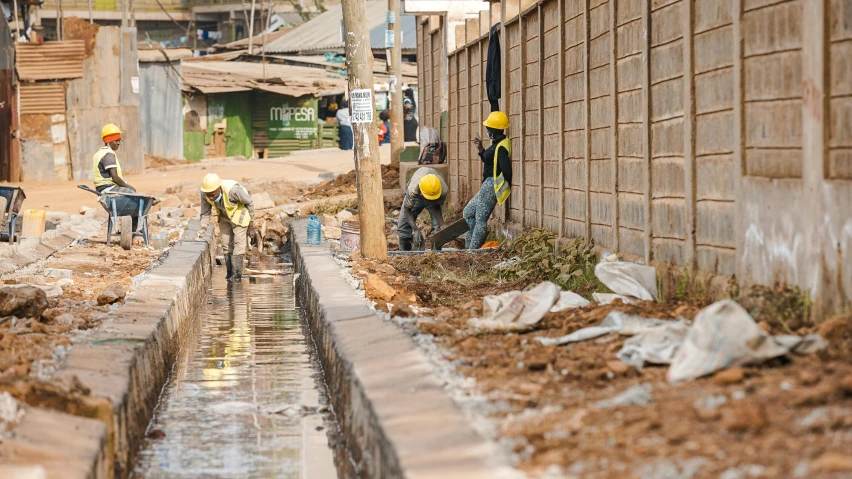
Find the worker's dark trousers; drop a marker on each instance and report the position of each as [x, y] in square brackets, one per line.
[403, 229]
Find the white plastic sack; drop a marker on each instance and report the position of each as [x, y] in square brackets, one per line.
[615, 322]
[516, 310]
[569, 299]
[628, 279]
[603, 299]
[655, 345]
[724, 335]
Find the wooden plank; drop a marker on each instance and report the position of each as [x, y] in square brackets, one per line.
[646, 124]
[687, 9]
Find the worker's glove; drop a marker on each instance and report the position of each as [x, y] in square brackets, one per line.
[202, 232]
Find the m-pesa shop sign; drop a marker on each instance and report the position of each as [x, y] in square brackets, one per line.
[295, 120]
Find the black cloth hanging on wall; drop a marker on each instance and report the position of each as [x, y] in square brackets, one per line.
[493, 69]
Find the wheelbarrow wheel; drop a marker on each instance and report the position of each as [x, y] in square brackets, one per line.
[126, 232]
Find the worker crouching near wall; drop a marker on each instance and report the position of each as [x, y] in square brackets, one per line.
[496, 179]
[235, 210]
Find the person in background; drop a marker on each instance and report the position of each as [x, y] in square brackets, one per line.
[426, 190]
[384, 128]
[106, 170]
[235, 209]
[496, 179]
[345, 128]
[409, 122]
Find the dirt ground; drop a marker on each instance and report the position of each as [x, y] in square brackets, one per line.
[308, 167]
[789, 417]
[32, 349]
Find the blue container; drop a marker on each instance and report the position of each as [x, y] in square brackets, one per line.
[314, 230]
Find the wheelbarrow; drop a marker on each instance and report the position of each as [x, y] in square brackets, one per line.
[121, 208]
[11, 200]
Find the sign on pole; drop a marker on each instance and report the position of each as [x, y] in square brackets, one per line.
[361, 106]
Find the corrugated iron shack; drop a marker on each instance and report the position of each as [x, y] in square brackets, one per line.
[161, 102]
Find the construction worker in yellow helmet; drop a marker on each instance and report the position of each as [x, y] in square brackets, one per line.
[496, 179]
[426, 190]
[235, 209]
[106, 170]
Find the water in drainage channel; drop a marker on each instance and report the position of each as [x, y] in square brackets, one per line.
[246, 397]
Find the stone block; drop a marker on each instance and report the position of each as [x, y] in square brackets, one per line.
[57, 273]
[49, 235]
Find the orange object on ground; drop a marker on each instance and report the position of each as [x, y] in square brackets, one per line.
[491, 244]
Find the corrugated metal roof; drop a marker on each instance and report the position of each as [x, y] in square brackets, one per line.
[323, 32]
[175, 54]
[408, 29]
[217, 77]
[50, 60]
[43, 97]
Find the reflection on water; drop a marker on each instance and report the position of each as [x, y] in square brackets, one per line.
[244, 398]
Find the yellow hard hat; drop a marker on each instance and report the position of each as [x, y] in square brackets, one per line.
[210, 182]
[430, 187]
[497, 120]
[109, 129]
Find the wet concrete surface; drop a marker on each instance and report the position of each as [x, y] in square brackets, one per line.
[245, 398]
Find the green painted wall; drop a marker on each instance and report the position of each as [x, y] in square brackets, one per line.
[193, 145]
[238, 133]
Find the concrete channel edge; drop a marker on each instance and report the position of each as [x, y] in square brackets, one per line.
[124, 364]
[397, 420]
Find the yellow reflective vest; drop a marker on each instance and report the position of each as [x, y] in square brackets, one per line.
[96, 173]
[237, 212]
[502, 189]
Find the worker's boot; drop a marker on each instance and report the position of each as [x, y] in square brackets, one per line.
[405, 244]
[237, 260]
[228, 267]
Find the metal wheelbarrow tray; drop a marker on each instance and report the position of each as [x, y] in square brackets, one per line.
[121, 208]
[14, 197]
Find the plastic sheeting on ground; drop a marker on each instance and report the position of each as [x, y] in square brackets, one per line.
[568, 300]
[627, 279]
[520, 310]
[516, 310]
[615, 322]
[723, 334]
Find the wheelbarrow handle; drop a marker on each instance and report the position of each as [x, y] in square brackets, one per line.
[89, 189]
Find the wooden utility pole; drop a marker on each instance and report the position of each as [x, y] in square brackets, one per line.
[395, 77]
[251, 29]
[359, 64]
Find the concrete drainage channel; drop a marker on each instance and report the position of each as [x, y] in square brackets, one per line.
[229, 379]
[395, 417]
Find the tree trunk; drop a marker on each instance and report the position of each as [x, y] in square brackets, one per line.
[395, 72]
[359, 64]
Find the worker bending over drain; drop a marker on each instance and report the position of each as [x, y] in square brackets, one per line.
[426, 190]
[235, 210]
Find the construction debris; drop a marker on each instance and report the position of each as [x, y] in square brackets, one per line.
[22, 302]
[723, 335]
[112, 294]
[516, 310]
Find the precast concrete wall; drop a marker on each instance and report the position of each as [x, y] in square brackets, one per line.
[710, 134]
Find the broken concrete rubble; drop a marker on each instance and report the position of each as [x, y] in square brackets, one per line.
[112, 294]
[22, 302]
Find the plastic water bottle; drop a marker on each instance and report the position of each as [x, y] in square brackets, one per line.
[314, 230]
